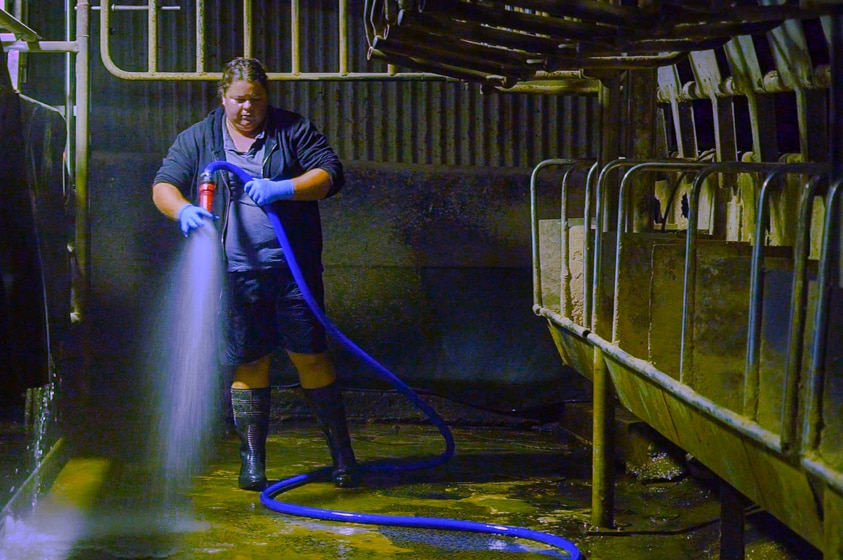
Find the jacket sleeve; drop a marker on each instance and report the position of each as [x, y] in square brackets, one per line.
[314, 152]
[180, 166]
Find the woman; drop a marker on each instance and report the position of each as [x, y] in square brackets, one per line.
[293, 167]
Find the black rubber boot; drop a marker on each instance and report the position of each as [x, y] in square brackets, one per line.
[328, 406]
[251, 419]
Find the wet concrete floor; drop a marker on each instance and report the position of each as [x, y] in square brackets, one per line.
[102, 509]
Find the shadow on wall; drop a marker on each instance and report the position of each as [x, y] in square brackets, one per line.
[427, 269]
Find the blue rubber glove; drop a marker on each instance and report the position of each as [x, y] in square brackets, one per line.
[192, 217]
[266, 191]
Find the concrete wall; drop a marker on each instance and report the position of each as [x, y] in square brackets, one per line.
[427, 269]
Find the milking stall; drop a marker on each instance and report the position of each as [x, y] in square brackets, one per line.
[581, 264]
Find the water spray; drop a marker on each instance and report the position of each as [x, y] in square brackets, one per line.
[267, 497]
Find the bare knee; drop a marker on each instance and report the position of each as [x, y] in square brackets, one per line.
[315, 370]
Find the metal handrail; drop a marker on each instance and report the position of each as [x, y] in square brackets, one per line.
[200, 74]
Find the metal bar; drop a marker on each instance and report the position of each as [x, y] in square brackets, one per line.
[343, 36]
[732, 522]
[201, 75]
[646, 370]
[460, 58]
[602, 445]
[20, 29]
[295, 37]
[534, 225]
[622, 214]
[200, 36]
[117, 8]
[790, 436]
[528, 23]
[601, 196]
[815, 382]
[689, 296]
[41, 46]
[756, 283]
[152, 39]
[565, 272]
[82, 242]
[753, 431]
[248, 49]
[597, 12]
[70, 88]
[588, 245]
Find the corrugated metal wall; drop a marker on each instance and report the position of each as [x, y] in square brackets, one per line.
[407, 122]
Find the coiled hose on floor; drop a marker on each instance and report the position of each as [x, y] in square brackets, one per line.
[267, 497]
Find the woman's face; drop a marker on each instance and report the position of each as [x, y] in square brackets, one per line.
[245, 105]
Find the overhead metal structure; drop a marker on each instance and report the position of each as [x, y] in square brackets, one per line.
[539, 44]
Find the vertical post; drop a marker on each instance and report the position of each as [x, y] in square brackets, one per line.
[602, 486]
[200, 35]
[69, 87]
[603, 417]
[343, 36]
[732, 522]
[832, 524]
[152, 39]
[248, 50]
[295, 37]
[83, 243]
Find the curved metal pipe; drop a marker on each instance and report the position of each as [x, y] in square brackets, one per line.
[587, 245]
[684, 167]
[816, 382]
[690, 276]
[534, 229]
[756, 282]
[790, 436]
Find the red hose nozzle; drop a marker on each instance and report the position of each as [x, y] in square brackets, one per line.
[207, 186]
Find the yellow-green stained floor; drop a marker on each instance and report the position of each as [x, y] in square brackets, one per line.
[99, 509]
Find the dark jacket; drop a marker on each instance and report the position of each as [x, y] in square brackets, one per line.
[293, 146]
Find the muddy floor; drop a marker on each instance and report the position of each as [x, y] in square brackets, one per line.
[102, 508]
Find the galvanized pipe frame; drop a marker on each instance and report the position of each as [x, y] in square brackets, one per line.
[538, 302]
[689, 298]
[816, 380]
[600, 212]
[200, 74]
[756, 282]
[588, 244]
[676, 166]
[565, 278]
[796, 331]
[602, 498]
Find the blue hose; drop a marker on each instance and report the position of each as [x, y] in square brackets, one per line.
[267, 496]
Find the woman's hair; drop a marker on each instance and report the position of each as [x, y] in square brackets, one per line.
[241, 68]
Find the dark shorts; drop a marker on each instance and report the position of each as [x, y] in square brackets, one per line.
[266, 311]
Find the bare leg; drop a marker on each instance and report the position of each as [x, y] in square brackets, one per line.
[254, 375]
[315, 370]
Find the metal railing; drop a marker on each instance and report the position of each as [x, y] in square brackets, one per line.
[199, 72]
[797, 441]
